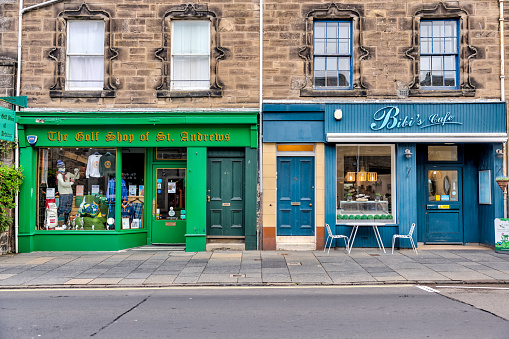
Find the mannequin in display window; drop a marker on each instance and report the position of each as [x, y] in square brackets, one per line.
[65, 180]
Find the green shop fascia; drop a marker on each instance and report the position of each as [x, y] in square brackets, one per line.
[109, 181]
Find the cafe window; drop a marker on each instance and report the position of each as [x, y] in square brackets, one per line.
[365, 182]
[76, 189]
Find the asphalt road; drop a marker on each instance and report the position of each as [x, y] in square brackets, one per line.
[235, 312]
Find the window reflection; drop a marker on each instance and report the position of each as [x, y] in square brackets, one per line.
[443, 185]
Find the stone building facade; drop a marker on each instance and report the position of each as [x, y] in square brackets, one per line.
[378, 99]
[137, 42]
[168, 92]
[353, 80]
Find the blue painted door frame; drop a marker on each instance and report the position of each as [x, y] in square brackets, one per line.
[295, 196]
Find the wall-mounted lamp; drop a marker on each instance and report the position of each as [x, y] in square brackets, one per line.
[408, 153]
[499, 152]
[338, 114]
[39, 121]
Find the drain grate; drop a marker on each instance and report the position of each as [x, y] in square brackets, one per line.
[237, 275]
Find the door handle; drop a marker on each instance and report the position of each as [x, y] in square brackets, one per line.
[153, 207]
[310, 205]
[208, 198]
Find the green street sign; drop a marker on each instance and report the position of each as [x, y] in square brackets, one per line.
[7, 124]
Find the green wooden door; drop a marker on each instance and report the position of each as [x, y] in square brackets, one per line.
[225, 197]
[169, 205]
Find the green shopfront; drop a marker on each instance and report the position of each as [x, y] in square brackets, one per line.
[110, 181]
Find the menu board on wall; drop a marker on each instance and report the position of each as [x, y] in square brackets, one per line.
[485, 187]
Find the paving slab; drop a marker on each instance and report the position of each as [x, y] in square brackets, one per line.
[78, 282]
[131, 282]
[160, 279]
[311, 278]
[186, 280]
[105, 281]
[276, 278]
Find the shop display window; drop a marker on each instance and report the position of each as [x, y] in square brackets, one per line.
[133, 176]
[365, 178]
[76, 189]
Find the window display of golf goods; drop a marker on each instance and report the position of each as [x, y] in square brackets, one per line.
[76, 188]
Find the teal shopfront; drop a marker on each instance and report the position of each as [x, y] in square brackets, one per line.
[398, 163]
[109, 181]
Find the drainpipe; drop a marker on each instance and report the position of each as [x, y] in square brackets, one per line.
[260, 132]
[18, 91]
[502, 90]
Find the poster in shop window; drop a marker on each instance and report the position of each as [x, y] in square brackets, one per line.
[50, 193]
[172, 187]
[80, 190]
[132, 190]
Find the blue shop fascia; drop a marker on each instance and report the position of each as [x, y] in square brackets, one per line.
[393, 163]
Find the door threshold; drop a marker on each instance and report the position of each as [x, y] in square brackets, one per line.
[161, 247]
[442, 246]
[443, 243]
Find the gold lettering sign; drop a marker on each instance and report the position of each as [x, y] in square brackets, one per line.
[119, 137]
[443, 207]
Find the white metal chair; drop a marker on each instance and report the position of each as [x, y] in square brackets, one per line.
[332, 237]
[405, 236]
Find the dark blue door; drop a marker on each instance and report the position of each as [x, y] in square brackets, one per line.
[444, 212]
[295, 196]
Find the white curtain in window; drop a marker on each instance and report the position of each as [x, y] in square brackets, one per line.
[190, 55]
[86, 72]
[85, 55]
[191, 37]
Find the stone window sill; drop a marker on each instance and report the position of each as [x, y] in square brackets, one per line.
[305, 92]
[190, 94]
[442, 93]
[82, 94]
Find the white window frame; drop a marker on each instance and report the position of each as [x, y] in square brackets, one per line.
[68, 86]
[393, 184]
[174, 86]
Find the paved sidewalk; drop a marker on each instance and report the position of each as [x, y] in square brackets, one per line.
[152, 267]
